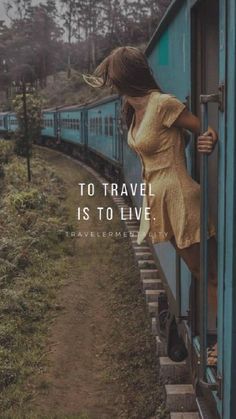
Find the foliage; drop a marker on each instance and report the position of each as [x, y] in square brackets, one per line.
[33, 106]
[33, 264]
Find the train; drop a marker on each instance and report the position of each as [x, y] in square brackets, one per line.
[192, 55]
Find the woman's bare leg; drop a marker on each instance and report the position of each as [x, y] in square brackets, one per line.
[191, 256]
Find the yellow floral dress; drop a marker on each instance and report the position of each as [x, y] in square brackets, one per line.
[175, 206]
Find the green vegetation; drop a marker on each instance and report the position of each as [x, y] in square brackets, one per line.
[33, 261]
[33, 103]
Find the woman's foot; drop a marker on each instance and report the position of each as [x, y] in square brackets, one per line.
[212, 355]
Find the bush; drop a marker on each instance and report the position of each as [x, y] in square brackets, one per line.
[32, 199]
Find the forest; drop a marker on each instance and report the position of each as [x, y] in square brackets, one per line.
[49, 44]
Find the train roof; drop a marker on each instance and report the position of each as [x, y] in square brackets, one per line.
[102, 100]
[70, 107]
[49, 109]
[166, 19]
[5, 113]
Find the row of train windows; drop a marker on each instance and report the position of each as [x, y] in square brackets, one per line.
[48, 123]
[13, 122]
[65, 123]
[70, 124]
[96, 126]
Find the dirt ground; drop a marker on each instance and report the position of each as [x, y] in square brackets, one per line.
[100, 351]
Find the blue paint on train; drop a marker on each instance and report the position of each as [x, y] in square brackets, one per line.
[70, 122]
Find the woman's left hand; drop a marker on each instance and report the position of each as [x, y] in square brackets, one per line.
[207, 141]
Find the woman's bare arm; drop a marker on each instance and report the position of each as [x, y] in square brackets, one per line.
[205, 142]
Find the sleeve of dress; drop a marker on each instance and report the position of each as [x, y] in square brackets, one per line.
[170, 109]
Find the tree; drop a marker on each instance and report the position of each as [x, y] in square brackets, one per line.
[68, 15]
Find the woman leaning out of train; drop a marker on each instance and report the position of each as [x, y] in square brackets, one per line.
[156, 123]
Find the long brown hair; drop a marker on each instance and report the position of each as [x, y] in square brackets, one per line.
[127, 69]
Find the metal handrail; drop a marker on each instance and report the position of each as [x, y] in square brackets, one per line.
[204, 100]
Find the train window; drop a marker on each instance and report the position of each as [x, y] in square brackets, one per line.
[100, 125]
[106, 126]
[111, 126]
[96, 125]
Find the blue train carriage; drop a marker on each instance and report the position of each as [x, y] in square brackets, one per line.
[192, 54]
[49, 124]
[4, 122]
[104, 135]
[12, 122]
[73, 125]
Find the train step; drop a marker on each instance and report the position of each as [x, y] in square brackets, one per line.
[132, 226]
[140, 248]
[149, 263]
[180, 398]
[153, 308]
[154, 326]
[171, 370]
[143, 255]
[132, 223]
[149, 274]
[134, 242]
[186, 415]
[161, 349]
[152, 284]
[152, 295]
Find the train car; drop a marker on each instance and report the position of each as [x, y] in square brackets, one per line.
[192, 55]
[4, 122]
[50, 123]
[104, 134]
[12, 123]
[71, 123]
[72, 127]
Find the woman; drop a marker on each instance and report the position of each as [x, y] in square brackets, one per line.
[156, 122]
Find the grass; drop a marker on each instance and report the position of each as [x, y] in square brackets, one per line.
[33, 261]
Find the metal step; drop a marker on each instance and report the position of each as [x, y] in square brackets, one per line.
[180, 398]
[152, 284]
[149, 263]
[153, 308]
[152, 295]
[173, 370]
[161, 349]
[149, 274]
[143, 255]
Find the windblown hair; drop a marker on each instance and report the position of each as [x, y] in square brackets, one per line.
[127, 70]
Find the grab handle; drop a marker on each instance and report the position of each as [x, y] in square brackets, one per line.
[204, 100]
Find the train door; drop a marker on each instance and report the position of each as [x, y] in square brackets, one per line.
[205, 47]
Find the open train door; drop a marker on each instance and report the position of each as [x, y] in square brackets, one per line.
[208, 83]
